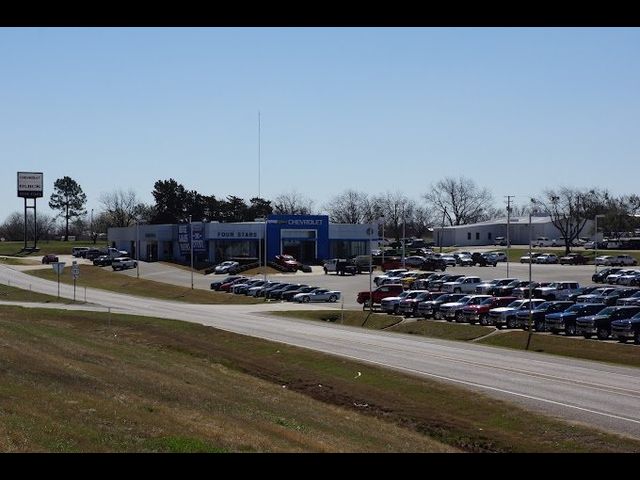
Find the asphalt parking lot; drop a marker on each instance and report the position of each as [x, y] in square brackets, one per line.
[349, 285]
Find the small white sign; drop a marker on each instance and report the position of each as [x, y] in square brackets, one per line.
[58, 267]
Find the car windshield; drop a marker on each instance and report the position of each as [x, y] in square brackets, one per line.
[544, 306]
[515, 304]
[487, 301]
[607, 311]
[476, 300]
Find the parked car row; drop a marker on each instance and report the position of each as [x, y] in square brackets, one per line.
[258, 287]
[562, 306]
[617, 276]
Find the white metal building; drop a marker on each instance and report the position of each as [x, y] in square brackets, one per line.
[484, 233]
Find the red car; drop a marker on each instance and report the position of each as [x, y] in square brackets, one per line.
[49, 258]
[478, 313]
[288, 262]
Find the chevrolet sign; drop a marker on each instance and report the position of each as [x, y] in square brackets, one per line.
[30, 184]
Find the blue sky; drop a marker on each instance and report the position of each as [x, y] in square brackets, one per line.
[374, 109]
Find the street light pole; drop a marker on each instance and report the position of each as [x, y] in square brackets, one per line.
[595, 244]
[382, 246]
[370, 231]
[530, 289]
[508, 225]
[404, 234]
[266, 247]
[441, 236]
[191, 248]
[137, 248]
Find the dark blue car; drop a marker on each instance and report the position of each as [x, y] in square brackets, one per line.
[566, 321]
[538, 314]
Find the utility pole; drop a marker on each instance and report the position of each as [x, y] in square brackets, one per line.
[509, 197]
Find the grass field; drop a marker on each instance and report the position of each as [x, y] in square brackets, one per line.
[46, 246]
[79, 382]
[95, 277]
[616, 353]
[12, 294]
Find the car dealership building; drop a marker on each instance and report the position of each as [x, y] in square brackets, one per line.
[308, 238]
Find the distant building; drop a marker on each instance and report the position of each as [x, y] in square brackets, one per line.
[484, 233]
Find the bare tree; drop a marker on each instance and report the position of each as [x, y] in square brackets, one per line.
[570, 209]
[422, 220]
[292, 203]
[13, 227]
[460, 200]
[349, 206]
[121, 208]
[397, 210]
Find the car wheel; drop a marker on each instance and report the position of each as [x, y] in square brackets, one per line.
[570, 330]
[511, 322]
[305, 299]
[603, 334]
[459, 318]
[483, 320]
[333, 298]
[537, 325]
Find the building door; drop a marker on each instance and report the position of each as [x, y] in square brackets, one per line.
[152, 251]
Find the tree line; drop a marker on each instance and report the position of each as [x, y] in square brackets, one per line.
[447, 202]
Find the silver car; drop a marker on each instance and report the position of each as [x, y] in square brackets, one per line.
[320, 295]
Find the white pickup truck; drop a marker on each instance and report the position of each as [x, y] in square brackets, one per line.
[462, 285]
[544, 242]
[557, 290]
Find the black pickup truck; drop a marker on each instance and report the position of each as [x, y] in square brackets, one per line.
[600, 324]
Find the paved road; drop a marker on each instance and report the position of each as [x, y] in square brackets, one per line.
[596, 394]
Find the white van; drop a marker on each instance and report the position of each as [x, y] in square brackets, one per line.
[544, 242]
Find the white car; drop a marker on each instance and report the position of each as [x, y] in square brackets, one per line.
[547, 258]
[604, 260]
[227, 267]
[122, 263]
[450, 260]
[534, 255]
[623, 260]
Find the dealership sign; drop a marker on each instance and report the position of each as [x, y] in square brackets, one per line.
[185, 239]
[30, 184]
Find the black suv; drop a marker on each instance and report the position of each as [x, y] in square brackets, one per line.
[484, 259]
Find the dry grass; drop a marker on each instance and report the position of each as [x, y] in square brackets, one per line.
[95, 277]
[12, 294]
[69, 382]
[616, 353]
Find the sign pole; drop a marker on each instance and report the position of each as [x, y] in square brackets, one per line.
[58, 284]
